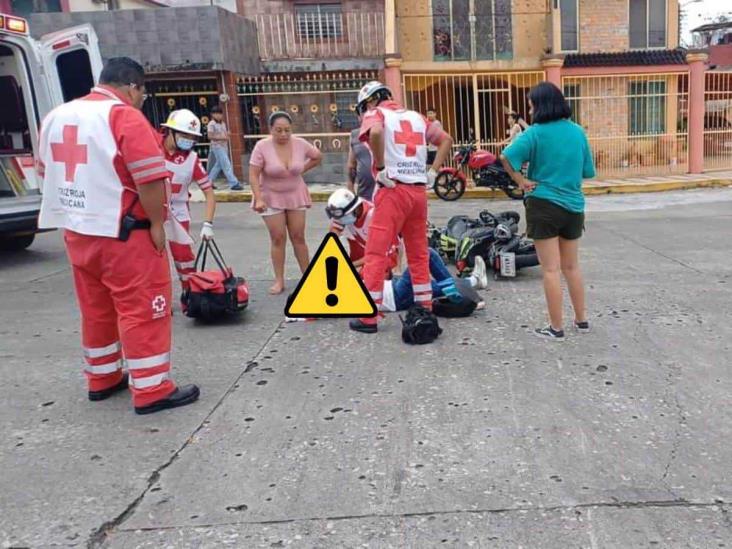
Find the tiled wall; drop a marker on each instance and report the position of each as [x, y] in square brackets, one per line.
[167, 39]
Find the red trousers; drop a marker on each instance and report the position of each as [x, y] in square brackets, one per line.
[183, 258]
[124, 293]
[399, 210]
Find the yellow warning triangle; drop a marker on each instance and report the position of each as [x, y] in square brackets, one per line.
[330, 286]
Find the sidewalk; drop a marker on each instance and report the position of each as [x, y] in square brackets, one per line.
[649, 184]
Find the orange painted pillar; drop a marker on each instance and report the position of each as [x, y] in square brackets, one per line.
[234, 121]
[393, 77]
[696, 61]
[553, 69]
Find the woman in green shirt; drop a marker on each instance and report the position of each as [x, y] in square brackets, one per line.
[559, 159]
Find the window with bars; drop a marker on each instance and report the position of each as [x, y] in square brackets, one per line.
[572, 95]
[318, 21]
[463, 30]
[647, 107]
[647, 24]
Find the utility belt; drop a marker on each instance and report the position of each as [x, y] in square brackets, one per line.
[130, 223]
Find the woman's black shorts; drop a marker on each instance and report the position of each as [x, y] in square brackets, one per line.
[544, 219]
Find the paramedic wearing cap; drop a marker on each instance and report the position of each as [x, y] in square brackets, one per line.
[104, 182]
[181, 133]
[398, 140]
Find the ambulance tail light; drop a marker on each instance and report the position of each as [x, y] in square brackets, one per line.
[61, 45]
[13, 24]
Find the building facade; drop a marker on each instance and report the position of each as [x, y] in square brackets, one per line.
[647, 105]
[618, 62]
[315, 57]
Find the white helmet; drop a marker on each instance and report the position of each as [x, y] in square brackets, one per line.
[341, 203]
[184, 121]
[369, 91]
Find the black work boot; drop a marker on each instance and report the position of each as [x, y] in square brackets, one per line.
[180, 397]
[104, 394]
[358, 325]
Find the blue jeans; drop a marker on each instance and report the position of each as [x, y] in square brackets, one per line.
[222, 164]
[211, 159]
[442, 283]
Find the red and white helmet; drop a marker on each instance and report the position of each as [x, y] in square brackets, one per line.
[183, 121]
[341, 203]
[372, 90]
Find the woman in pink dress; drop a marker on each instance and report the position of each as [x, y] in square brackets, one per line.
[279, 192]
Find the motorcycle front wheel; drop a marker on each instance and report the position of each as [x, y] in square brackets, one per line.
[449, 187]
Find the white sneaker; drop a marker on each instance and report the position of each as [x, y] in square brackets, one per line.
[480, 273]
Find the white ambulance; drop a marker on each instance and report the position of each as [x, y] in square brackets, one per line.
[35, 76]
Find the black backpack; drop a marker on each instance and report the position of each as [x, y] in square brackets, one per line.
[420, 326]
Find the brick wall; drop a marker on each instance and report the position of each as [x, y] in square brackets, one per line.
[603, 25]
[606, 114]
[605, 119]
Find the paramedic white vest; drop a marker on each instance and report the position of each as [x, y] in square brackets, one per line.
[405, 146]
[181, 176]
[82, 191]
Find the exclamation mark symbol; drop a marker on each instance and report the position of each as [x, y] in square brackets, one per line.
[331, 273]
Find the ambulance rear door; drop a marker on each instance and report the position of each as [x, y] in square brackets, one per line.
[71, 62]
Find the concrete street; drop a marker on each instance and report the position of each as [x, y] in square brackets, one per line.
[308, 435]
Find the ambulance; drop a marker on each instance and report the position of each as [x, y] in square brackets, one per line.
[35, 76]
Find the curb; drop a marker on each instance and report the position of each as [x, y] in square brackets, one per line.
[589, 190]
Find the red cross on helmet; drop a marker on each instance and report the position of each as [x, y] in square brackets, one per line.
[184, 121]
[372, 90]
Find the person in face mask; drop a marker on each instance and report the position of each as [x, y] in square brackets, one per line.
[179, 135]
[350, 216]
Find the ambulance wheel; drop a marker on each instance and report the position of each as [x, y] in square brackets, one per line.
[449, 187]
[16, 243]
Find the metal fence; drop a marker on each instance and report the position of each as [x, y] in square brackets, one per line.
[636, 123]
[472, 106]
[718, 120]
[197, 94]
[322, 107]
[320, 35]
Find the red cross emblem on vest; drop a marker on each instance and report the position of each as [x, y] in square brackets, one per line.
[69, 152]
[408, 137]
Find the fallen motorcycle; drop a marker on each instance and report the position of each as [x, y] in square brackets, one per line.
[451, 241]
[510, 252]
[486, 170]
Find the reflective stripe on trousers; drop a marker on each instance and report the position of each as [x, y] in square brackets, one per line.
[101, 369]
[99, 352]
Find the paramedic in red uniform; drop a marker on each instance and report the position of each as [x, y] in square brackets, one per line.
[180, 134]
[351, 216]
[104, 182]
[398, 140]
